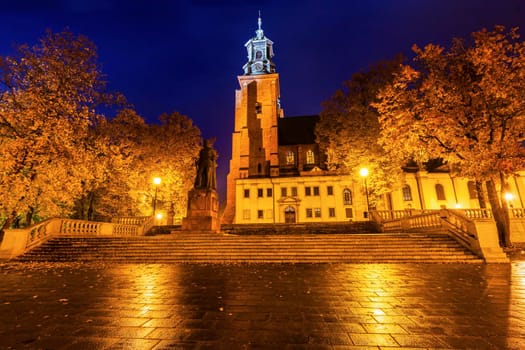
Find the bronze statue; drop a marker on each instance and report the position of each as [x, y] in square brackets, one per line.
[206, 167]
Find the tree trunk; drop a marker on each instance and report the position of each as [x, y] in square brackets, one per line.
[91, 210]
[500, 215]
[481, 195]
[7, 223]
[29, 216]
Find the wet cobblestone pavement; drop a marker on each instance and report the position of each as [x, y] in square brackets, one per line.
[323, 306]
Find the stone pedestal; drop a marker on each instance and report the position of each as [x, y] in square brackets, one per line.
[203, 211]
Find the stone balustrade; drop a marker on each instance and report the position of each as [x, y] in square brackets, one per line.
[475, 229]
[18, 241]
[517, 213]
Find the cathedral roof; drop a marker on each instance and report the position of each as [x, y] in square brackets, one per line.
[297, 130]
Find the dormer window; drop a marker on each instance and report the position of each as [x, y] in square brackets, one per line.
[310, 157]
[290, 158]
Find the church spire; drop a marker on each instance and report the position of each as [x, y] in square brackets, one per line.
[260, 53]
[259, 31]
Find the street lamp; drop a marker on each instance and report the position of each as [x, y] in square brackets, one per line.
[156, 182]
[508, 197]
[364, 174]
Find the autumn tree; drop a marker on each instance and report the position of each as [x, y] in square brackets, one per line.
[48, 99]
[113, 145]
[348, 129]
[167, 150]
[466, 105]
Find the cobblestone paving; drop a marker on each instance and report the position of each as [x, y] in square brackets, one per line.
[369, 306]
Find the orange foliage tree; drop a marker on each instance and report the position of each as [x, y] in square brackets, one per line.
[48, 99]
[466, 105]
[348, 129]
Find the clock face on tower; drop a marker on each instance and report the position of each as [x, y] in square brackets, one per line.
[257, 67]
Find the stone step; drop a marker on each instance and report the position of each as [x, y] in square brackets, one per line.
[220, 248]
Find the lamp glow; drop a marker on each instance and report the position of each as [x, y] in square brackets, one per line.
[364, 174]
[508, 196]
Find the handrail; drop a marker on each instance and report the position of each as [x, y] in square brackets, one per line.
[461, 224]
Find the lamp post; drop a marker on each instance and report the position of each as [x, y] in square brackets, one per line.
[364, 174]
[156, 182]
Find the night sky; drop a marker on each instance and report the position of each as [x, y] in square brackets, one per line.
[185, 56]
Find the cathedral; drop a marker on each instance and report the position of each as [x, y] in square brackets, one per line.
[277, 173]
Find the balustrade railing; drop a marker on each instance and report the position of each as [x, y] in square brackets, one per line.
[131, 220]
[460, 223]
[41, 232]
[517, 213]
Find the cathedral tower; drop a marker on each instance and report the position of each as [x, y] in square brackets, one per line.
[257, 110]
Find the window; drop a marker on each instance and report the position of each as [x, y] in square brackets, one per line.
[309, 212]
[316, 190]
[260, 214]
[472, 190]
[259, 168]
[284, 192]
[331, 212]
[310, 158]
[259, 192]
[246, 193]
[347, 197]
[407, 193]
[246, 214]
[290, 158]
[317, 212]
[308, 191]
[348, 212]
[268, 192]
[330, 190]
[294, 191]
[440, 192]
[258, 108]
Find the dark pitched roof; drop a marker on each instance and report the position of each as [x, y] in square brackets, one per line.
[297, 130]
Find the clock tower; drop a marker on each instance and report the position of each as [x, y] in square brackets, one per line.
[257, 110]
[260, 53]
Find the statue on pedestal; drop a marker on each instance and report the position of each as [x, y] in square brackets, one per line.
[206, 178]
[203, 201]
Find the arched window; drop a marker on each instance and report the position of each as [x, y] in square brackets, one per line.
[407, 193]
[472, 190]
[310, 157]
[440, 192]
[347, 197]
[290, 158]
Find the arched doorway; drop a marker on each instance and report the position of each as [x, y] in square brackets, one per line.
[289, 215]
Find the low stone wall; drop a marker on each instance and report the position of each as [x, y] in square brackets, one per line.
[300, 228]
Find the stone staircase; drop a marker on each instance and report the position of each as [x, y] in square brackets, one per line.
[195, 247]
